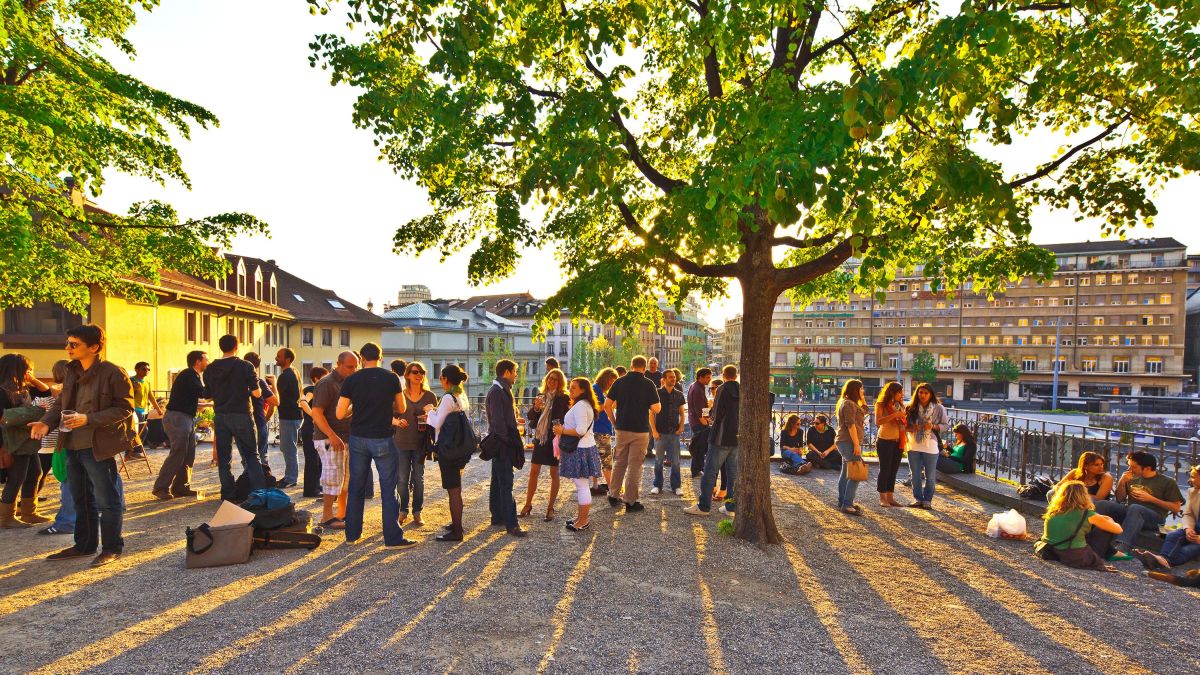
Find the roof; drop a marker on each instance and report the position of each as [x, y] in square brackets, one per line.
[303, 300]
[513, 305]
[183, 283]
[440, 315]
[1116, 246]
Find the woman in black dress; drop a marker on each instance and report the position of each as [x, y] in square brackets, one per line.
[548, 409]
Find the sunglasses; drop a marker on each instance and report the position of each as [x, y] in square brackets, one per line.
[71, 344]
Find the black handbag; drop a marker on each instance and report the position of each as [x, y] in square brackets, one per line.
[492, 446]
[568, 444]
[1046, 550]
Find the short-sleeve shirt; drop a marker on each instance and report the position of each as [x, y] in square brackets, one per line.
[230, 381]
[373, 393]
[141, 393]
[325, 397]
[634, 394]
[849, 414]
[667, 419]
[821, 440]
[602, 425]
[410, 438]
[289, 395]
[1160, 486]
[306, 427]
[1060, 526]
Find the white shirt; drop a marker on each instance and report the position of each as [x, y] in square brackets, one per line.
[437, 418]
[579, 419]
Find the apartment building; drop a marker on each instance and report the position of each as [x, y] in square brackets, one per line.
[1112, 314]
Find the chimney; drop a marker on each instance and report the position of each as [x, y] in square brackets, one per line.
[371, 306]
[480, 312]
[272, 263]
[442, 306]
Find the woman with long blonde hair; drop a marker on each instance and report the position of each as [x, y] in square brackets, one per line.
[549, 408]
[1074, 534]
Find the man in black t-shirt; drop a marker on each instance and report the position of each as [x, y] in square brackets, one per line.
[665, 428]
[179, 422]
[260, 405]
[232, 383]
[376, 396]
[290, 416]
[630, 402]
[822, 453]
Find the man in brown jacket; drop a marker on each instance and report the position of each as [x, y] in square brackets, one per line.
[95, 411]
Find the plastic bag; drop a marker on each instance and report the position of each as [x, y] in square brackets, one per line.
[1010, 525]
[58, 465]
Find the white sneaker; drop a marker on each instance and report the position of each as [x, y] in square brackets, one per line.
[678, 492]
[694, 510]
[722, 511]
[655, 491]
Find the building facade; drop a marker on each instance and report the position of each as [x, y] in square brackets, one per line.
[1112, 315]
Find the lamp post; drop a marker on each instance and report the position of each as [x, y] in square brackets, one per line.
[1054, 386]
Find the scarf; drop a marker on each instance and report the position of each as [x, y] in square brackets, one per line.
[543, 424]
[924, 414]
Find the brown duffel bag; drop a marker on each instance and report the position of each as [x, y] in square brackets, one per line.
[221, 545]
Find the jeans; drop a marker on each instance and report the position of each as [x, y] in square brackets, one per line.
[718, 456]
[668, 449]
[65, 518]
[98, 503]
[175, 474]
[289, 431]
[923, 466]
[1177, 549]
[888, 451]
[226, 428]
[500, 493]
[410, 471]
[383, 451]
[698, 448]
[262, 438]
[847, 488]
[1133, 518]
[793, 457]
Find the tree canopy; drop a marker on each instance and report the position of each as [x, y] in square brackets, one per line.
[924, 367]
[1005, 370]
[664, 148]
[67, 115]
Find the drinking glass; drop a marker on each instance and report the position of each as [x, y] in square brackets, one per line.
[62, 423]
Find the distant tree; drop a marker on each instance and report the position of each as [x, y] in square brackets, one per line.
[924, 367]
[804, 373]
[1005, 370]
[67, 116]
[497, 350]
[590, 357]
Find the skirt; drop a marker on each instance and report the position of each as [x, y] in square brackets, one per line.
[583, 463]
[544, 454]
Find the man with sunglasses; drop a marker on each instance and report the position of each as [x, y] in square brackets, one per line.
[99, 398]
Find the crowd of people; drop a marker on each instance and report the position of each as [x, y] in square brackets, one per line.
[596, 434]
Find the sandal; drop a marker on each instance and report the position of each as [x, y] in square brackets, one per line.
[577, 528]
[334, 523]
[549, 515]
[525, 511]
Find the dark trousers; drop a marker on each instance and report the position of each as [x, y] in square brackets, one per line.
[698, 448]
[98, 509]
[22, 477]
[889, 463]
[175, 474]
[227, 428]
[312, 465]
[831, 461]
[500, 493]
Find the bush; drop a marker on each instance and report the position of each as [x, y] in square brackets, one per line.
[725, 527]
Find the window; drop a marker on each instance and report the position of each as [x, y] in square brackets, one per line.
[241, 278]
[563, 329]
[1116, 280]
[1022, 322]
[1008, 339]
[479, 344]
[298, 297]
[258, 283]
[1164, 299]
[993, 339]
[1085, 281]
[550, 348]
[274, 290]
[1028, 364]
[562, 348]
[190, 326]
[1097, 321]
[972, 362]
[1037, 340]
[306, 370]
[1120, 365]
[250, 331]
[1069, 281]
[344, 337]
[306, 337]
[1133, 278]
[1068, 302]
[479, 369]
[1113, 341]
[206, 327]
[893, 362]
[1164, 341]
[1154, 365]
[1083, 341]
[326, 337]
[1101, 280]
[1089, 364]
[1039, 302]
[229, 327]
[336, 304]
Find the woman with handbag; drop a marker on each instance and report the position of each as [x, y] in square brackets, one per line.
[17, 411]
[409, 437]
[548, 408]
[579, 459]
[452, 401]
[851, 420]
[889, 440]
[926, 421]
[1075, 534]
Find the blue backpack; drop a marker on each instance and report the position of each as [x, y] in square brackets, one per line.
[272, 508]
[456, 441]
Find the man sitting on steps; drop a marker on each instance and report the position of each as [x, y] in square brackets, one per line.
[1143, 499]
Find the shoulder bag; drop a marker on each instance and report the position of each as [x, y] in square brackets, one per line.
[857, 471]
[568, 444]
[1046, 550]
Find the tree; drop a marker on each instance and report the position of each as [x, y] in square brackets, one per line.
[1005, 371]
[66, 115]
[497, 350]
[667, 148]
[691, 356]
[924, 367]
[589, 358]
[804, 373]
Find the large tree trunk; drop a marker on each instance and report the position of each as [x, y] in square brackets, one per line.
[755, 520]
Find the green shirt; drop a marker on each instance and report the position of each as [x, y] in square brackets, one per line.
[1060, 526]
[1159, 486]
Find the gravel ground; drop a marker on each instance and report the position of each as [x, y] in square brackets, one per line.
[898, 590]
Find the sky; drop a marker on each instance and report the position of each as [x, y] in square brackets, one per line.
[288, 152]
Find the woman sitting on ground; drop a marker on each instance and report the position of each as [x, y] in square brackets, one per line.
[791, 447]
[960, 457]
[1093, 473]
[1183, 544]
[1077, 535]
[583, 464]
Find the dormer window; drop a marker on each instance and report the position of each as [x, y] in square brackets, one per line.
[258, 283]
[241, 277]
[336, 304]
[274, 290]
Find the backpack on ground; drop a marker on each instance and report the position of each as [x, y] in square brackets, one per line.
[456, 440]
[272, 508]
[273, 539]
[1036, 489]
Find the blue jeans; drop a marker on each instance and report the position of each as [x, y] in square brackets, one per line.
[410, 471]
[1132, 518]
[262, 438]
[794, 457]
[718, 456]
[226, 428]
[383, 451]
[65, 518]
[500, 492]
[289, 432]
[99, 507]
[923, 466]
[1177, 549]
[847, 488]
[668, 446]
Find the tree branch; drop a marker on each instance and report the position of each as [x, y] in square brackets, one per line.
[544, 93]
[803, 243]
[831, 259]
[670, 255]
[804, 52]
[1049, 168]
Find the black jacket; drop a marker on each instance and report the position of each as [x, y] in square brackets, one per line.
[725, 415]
